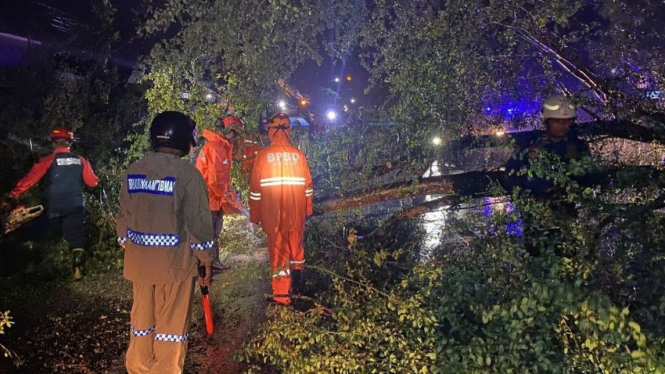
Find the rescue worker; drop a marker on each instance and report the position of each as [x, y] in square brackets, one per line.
[280, 198]
[214, 162]
[66, 173]
[247, 155]
[165, 228]
[558, 114]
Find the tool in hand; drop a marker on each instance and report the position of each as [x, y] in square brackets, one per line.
[207, 307]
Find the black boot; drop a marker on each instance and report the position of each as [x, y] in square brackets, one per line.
[78, 260]
[295, 282]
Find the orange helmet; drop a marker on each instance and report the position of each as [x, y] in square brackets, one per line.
[62, 133]
[232, 123]
[279, 121]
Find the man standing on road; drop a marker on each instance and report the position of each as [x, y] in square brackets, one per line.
[280, 198]
[66, 174]
[164, 225]
[214, 162]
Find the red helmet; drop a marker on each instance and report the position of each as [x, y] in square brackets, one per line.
[62, 133]
[233, 123]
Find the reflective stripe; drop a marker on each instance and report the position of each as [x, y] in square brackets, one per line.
[254, 193]
[173, 338]
[153, 240]
[286, 183]
[140, 333]
[309, 190]
[282, 273]
[201, 246]
[282, 179]
[68, 161]
[254, 198]
[297, 262]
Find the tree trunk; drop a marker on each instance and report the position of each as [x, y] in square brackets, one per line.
[464, 184]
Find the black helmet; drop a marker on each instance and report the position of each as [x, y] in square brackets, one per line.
[173, 130]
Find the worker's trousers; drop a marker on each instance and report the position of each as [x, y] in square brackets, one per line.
[286, 254]
[217, 225]
[160, 321]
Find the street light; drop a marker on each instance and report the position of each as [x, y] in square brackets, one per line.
[353, 101]
[348, 78]
[436, 140]
[331, 115]
[336, 79]
[282, 104]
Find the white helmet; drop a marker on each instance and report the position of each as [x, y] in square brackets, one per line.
[558, 106]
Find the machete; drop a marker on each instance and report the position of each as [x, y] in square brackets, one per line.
[207, 308]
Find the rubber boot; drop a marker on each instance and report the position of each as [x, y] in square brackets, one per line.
[295, 282]
[78, 259]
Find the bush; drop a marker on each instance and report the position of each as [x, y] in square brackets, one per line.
[577, 291]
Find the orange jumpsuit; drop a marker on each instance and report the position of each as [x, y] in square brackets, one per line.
[249, 151]
[280, 197]
[214, 162]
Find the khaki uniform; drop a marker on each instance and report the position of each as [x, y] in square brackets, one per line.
[165, 224]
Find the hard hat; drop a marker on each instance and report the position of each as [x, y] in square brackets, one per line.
[233, 123]
[558, 106]
[62, 133]
[173, 130]
[279, 121]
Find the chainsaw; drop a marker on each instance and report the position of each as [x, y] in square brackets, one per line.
[20, 216]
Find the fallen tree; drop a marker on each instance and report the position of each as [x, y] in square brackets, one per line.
[620, 129]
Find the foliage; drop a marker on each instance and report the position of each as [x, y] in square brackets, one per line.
[459, 67]
[235, 51]
[83, 91]
[5, 322]
[574, 292]
[579, 290]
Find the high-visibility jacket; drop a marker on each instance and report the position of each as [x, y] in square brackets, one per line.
[65, 175]
[250, 150]
[280, 189]
[214, 162]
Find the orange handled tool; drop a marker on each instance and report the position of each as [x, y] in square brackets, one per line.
[207, 308]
